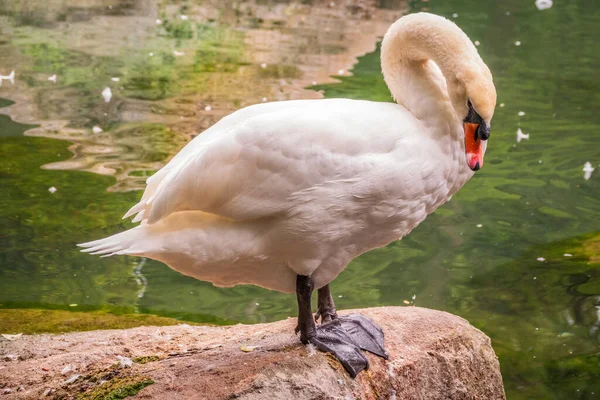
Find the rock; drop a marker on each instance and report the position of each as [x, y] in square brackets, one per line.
[433, 355]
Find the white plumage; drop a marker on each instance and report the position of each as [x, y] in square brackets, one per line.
[302, 187]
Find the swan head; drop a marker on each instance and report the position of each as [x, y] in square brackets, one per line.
[477, 109]
[406, 51]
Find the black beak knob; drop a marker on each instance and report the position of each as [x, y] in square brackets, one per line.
[484, 131]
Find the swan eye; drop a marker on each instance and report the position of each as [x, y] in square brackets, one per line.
[483, 130]
[472, 116]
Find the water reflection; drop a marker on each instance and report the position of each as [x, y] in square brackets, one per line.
[132, 82]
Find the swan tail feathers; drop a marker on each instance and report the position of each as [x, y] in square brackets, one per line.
[121, 243]
[152, 185]
[134, 210]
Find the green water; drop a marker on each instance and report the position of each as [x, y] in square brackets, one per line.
[531, 199]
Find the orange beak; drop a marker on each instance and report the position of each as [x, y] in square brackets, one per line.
[473, 146]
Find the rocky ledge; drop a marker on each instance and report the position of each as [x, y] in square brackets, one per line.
[433, 355]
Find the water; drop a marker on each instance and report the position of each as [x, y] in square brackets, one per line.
[476, 257]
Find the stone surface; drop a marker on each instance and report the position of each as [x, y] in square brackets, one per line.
[433, 355]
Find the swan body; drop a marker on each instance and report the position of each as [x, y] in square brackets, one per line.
[286, 188]
[302, 187]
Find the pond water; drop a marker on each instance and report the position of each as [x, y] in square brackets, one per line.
[516, 252]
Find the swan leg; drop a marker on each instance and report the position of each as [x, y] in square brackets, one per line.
[343, 337]
[326, 307]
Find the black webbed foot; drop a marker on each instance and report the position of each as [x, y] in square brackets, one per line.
[364, 333]
[343, 337]
[332, 338]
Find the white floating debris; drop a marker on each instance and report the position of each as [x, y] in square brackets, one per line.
[332, 4]
[11, 337]
[414, 297]
[541, 259]
[535, 278]
[151, 54]
[539, 161]
[406, 301]
[455, 15]
[68, 368]
[96, 129]
[107, 94]
[158, 22]
[508, 13]
[115, 79]
[314, 83]
[257, 304]
[340, 296]
[518, 43]
[587, 169]
[476, 43]
[263, 65]
[52, 189]
[479, 225]
[178, 53]
[184, 17]
[72, 379]
[264, 99]
[543, 4]
[521, 135]
[501, 104]
[124, 362]
[10, 77]
[207, 108]
[521, 113]
[341, 72]
[52, 78]
[568, 255]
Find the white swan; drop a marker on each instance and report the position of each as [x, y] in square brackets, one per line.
[284, 195]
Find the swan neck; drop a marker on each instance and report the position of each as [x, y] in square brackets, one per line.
[425, 59]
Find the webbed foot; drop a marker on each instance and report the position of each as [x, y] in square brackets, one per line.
[343, 337]
[364, 333]
[332, 338]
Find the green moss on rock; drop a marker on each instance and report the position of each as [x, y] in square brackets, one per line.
[145, 359]
[59, 321]
[118, 388]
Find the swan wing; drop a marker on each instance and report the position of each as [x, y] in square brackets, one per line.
[251, 167]
[196, 145]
